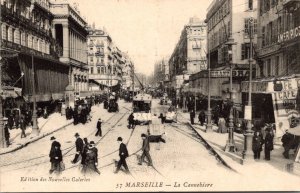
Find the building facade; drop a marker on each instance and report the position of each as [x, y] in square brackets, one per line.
[231, 27]
[69, 30]
[127, 73]
[105, 60]
[30, 55]
[189, 55]
[276, 89]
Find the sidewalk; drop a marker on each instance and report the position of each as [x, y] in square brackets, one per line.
[218, 142]
[46, 128]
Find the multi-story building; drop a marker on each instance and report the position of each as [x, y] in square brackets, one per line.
[159, 73]
[30, 55]
[127, 73]
[189, 55]
[228, 35]
[276, 89]
[105, 60]
[69, 29]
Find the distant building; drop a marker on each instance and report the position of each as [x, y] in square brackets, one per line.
[105, 61]
[189, 55]
[127, 73]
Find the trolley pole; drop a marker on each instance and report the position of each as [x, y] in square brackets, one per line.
[247, 153]
[2, 133]
[35, 128]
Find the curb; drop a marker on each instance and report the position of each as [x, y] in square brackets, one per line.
[35, 139]
[210, 148]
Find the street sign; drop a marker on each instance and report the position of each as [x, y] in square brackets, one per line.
[248, 112]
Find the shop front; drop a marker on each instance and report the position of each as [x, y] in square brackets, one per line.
[275, 101]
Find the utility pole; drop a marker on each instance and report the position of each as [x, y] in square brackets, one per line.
[230, 146]
[248, 135]
[2, 133]
[35, 128]
[208, 125]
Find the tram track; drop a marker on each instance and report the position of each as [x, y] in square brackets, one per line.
[202, 141]
[70, 148]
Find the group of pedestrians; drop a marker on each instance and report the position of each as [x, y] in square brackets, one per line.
[84, 149]
[88, 153]
[259, 140]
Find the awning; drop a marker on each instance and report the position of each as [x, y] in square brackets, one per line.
[9, 91]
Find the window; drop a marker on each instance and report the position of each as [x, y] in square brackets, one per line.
[247, 26]
[229, 28]
[91, 59]
[92, 70]
[250, 4]
[102, 60]
[98, 70]
[91, 48]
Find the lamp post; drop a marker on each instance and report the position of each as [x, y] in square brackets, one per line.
[230, 146]
[35, 128]
[208, 125]
[248, 135]
[2, 133]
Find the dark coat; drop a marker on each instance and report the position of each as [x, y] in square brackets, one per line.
[99, 124]
[123, 149]
[201, 116]
[79, 144]
[55, 152]
[92, 156]
[192, 114]
[55, 143]
[146, 145]
[257, 143]
[269, 142]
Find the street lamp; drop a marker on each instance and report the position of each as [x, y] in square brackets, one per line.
[3, 142]
[248, 109]
[230, 146]
[35, 127]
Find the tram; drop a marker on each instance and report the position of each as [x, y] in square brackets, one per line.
[142, 108]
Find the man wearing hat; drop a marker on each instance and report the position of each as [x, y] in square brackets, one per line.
[55, 155]
[79, 148]
[54, 142]
[99, 131]
[145, 149]
[123, 153]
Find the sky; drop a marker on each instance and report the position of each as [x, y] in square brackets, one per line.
[147, 29]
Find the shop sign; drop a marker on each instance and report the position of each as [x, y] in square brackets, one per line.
[287, 97]
[226, 73]
[289, 35]
[257, 87]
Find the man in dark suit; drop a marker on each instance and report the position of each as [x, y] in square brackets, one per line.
[123, 153]
[145, 149]
[54, 142]
[99, 131]
[79, 148]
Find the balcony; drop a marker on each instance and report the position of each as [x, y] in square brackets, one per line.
[286, 2]
[25, 50]
[99, 54]
[15, 17]
[196, 47]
